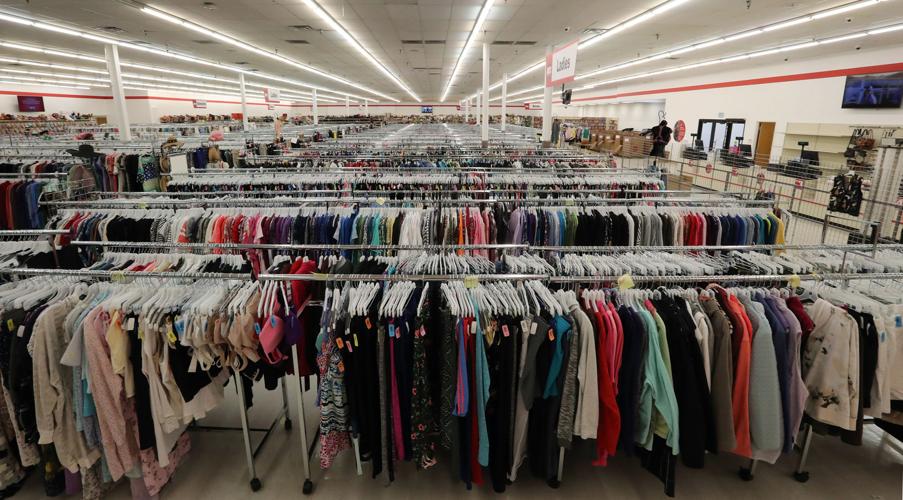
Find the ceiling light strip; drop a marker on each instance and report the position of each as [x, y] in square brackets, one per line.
[70, 87]
[334, 24]
[589, 42]
[748, 55]
[39, 64]
[722, 39]
[151, 50]
[255, 50]
[481, 18]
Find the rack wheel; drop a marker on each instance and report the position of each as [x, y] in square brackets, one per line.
[288, 424]
[745, 474]
[801, 476]
[308, 487]
[255, 484]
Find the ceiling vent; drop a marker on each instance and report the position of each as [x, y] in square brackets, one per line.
[204, 42]
[209, 6]
[302, 27]
[528, 43]
[434, 42]
[110, 29]
[298, 42]
[241, 63]
[423, 42]
[426, 68]
[503, 42]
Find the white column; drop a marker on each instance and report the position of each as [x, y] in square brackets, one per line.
[244, 101]
[366, 107]
[547, 105]
[504, 100]
[484, 133]
[112, 54]
[347, 106]
[314, 108]
[479, 111]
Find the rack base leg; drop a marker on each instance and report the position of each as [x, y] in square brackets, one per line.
[748, 473]
[799, 474]
[245, 431]
[285, 412]
[355, 441]
[305, 458]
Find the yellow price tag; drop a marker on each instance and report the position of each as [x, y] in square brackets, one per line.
[471, 282]
[142, 205]
[117, 276]
[380, 201]
[10, 325]
[171, 335]
[625, 282]
[794, 281]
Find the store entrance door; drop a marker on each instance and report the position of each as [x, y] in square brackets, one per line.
[764, 139]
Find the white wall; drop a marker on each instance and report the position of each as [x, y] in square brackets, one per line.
[808, 101]
[56, 100]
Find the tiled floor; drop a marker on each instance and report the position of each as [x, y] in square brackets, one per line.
[216, 469]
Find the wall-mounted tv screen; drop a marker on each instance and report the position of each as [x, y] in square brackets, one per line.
[426, 109]
[30, 103]
[882, 90]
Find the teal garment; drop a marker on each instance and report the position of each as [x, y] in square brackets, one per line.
[562, 328]
[657, 391]
[481, 386]
[374, 231]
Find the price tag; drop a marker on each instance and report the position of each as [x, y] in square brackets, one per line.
[625, 282]
[392, 331]
[551, 334]
[473, 328]
[21, 331]
[471, 282]
[532, 328]
[142, 205]
[794, 281]
[505, 332]
[10, 325]
[355, 339]
[339, 342]
[170, 334]
[117, 276]
[380, 201]
[130, 324]
[368, 323]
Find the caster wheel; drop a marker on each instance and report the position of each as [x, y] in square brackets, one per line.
[801, 476]
[745, 474]
[308, 487]
[288, 425]
[255, 484]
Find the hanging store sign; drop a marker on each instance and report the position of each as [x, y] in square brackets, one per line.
[199, 103]
[561, 65]
[271, 95]
[680, 130]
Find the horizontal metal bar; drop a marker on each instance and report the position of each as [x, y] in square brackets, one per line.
[32, 232]
[291, 246]
[730, 277]
[93, 273]
[399, 277]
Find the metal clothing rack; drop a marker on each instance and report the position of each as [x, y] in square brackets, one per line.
[250, 452]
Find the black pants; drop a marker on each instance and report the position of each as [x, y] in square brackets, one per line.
[658, 149]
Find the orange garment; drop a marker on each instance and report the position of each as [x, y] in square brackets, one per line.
[742, 362]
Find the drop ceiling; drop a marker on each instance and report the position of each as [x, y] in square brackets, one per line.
[420, 40]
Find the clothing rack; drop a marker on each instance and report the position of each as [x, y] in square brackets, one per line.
[258, 202]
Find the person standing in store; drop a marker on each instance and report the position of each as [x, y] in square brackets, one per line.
[661, 136]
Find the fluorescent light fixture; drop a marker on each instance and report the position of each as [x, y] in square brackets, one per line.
[733, 37]
[25, 62]
[256, 50]
[886, 29]
[45, 80]
[481, 18]
[360, 48]
[845, 8]
[589, 42]
[71, 87]
[787, 24]
[156, 51]
[740, 57]
[54, 75]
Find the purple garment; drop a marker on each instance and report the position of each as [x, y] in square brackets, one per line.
[799, 393]
[73, 482]
[515, 226]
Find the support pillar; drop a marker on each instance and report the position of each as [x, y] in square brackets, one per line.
[122, 113]
[547, 104]
[484, 124]
[504, 100]
[244, 101]
[314, 109]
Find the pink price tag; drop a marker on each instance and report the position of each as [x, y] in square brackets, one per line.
[505, 331]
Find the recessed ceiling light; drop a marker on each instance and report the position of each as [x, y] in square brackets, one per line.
[209, 6]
